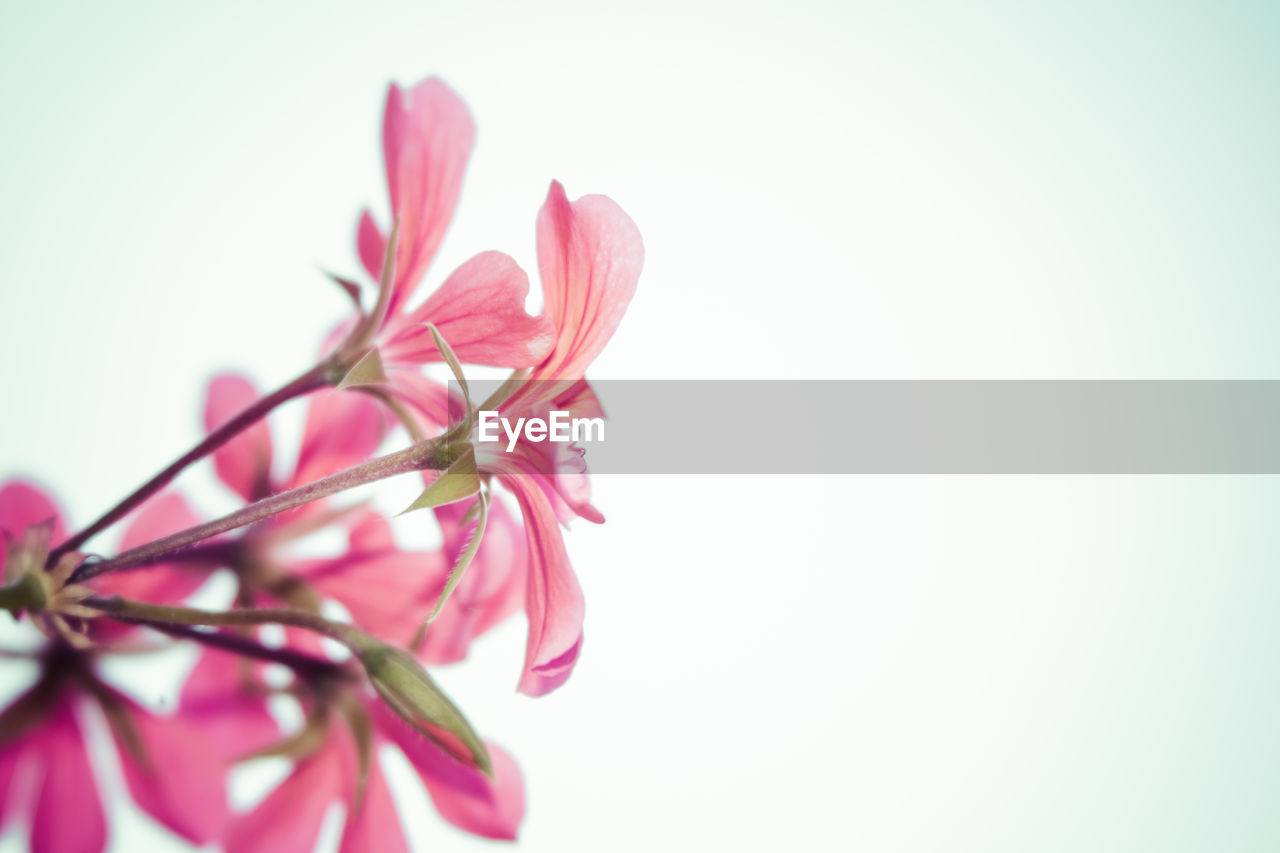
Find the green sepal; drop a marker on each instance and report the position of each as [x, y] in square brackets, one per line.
[456, 366]
[367, 371]
[458, 482]
[464, 559]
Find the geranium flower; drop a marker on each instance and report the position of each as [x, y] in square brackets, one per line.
[289, 818]
[171, 771]
[25, 506]
[427, 136]
[590, 256]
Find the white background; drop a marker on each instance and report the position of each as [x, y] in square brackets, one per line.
[825, 191]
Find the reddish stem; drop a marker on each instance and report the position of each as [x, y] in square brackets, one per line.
[422, 455]
[315, 378]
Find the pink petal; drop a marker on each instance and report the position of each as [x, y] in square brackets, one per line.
[384, 592]
[428, 401]
[589, 256]
[560, 469]
[369, 532]
[342, 429]
[580, 401]
[178, 778]
[553, 600]
[492, 808]
[12, 753]
[479, 311]
[232, 717]
[23, 504]
[164, 582]
[427, 136]
[244, 463]
[371, 245]
[288, 820]
[68, 779]
[376, 826]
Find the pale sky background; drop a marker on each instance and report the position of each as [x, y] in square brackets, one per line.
[914, 190]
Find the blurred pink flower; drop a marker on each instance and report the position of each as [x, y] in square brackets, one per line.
[23, 504]
[172, 773]
[288, 820]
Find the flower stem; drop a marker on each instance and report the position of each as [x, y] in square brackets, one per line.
[301, 663]
[315, 378]
[419, 456]
[156, 615]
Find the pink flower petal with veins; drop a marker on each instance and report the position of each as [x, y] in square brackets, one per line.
[589, 256]
[244, 462]
[479, 310]
[427, 136]
[553, 599]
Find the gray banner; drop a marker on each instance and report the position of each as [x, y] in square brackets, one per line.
[934, 427]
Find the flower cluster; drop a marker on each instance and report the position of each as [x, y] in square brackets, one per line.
[359, 681]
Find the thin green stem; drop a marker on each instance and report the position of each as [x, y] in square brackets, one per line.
[239, 644]
[164, 614]
[314, 379]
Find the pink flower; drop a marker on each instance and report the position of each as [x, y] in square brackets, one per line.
[388, 591]
[289, 818]
[23, 505]
[427, 139]
[172, 773]
[224, 696]
[50, 760]
[590, 255]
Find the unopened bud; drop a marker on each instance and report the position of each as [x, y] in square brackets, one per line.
[407, 689]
